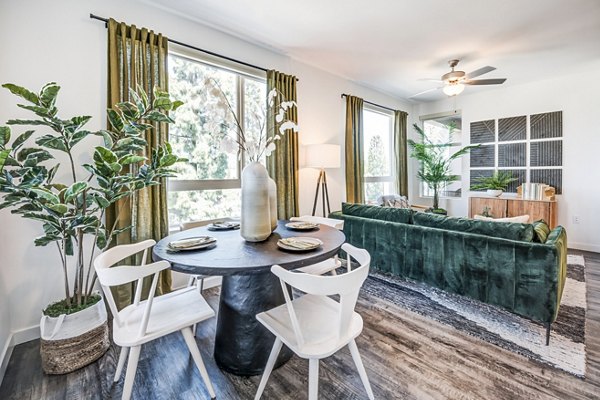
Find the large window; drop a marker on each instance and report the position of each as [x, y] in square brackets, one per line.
[378, 153]
[208, 186]
[443, 130]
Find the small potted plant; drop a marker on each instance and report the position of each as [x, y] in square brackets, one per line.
[74, 330]
[495, 184]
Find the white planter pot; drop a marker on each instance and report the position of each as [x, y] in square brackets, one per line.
[255, 219]
[273, 203]
[70, 342]
[494, 193]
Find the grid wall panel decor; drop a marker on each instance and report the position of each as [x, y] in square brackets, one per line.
[546, 154]
[530, 147]
[483, 131]
[514, 128]
[512, 155]
[546, 125]
[483, 156]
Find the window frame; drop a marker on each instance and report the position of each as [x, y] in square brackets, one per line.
[242, 73]
[423, 186]
[392, 157]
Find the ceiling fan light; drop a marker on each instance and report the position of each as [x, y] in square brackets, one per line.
[453, 89]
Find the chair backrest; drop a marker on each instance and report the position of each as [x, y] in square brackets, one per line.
[184, 226]
[108, 276]
[334, 223]
[346, 285]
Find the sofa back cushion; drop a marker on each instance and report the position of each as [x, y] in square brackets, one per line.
[401, 215]
[508, 230]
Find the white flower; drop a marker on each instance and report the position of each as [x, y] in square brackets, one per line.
[277, 137]
[272, 94]
[228, 145]
[287, 104]
[279, 116]
[270, 148]
[288, 125]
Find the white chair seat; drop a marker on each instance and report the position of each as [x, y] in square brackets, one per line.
[319, 321]
[320, 268]
[170, 313]
[334, 223]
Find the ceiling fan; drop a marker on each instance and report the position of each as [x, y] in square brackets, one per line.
[455, 81]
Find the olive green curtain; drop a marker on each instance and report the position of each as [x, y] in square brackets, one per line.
[138, 57]
[282, 164]
[354, 150]
[400, 152]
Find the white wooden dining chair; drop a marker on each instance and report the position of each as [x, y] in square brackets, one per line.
[315, 326]
[144, 321]
[331, 264]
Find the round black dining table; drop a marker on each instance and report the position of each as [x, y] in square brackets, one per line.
[242, 344]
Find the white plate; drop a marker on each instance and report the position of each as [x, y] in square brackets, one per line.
[301, 226]
[209, 242]
[316, 243]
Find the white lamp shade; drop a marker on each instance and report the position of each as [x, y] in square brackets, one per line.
[323, 155]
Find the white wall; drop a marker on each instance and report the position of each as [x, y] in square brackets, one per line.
[57, 41]
[577, 96]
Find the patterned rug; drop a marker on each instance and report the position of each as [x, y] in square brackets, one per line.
[498, 326]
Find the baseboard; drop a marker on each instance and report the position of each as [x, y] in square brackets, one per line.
[585, 246]
[5, 356]
[25, 335]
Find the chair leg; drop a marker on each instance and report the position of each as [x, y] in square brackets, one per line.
[200, 288]
[121, 363]
[191, 343]
[269, 368]
[361, 368]
[313, 379]
[132, 363]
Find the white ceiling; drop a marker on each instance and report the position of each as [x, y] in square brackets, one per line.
[389, 44]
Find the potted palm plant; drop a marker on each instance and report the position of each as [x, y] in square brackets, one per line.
[495, 184]
[435, 163]
[74, 329]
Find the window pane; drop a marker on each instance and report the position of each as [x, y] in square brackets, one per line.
[376, 189]
[255, 94]
[203, 204]
[202, 122]
[377, 143]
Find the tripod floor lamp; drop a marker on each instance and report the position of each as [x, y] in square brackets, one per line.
[322, 156]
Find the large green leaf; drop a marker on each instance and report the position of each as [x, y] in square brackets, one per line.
[115, 120]
[78, 136]
[40, 111]
[52, 142]
[59, 208]
[4, 135]
[74, 190]
[3, 156]
[27, 122]
[48, 94]
[158, 116]
[46, 195]
[131, 159]
[102, 154]
[22, 92]
[21, 139]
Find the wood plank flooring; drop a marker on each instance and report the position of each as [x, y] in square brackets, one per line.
[406, 356]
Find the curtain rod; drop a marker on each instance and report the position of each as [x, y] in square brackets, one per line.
[373, 104]
[105, 20]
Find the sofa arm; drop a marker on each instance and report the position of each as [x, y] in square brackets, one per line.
[558, 239]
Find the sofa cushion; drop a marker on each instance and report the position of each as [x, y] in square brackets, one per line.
[402, 215]
[542, 230]
[522, 219]
[509, 230]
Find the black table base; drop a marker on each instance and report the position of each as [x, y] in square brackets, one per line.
[242, 344]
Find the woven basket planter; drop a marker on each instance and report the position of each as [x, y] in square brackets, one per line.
[70, 342]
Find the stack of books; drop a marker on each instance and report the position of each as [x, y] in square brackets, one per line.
[536, 191]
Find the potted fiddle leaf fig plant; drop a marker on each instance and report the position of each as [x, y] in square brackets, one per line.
[436, 163]
[74, 330]
[496, 184]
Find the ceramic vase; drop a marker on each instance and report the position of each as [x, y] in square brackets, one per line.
[273, 203]
[495, 193]
[255, 218]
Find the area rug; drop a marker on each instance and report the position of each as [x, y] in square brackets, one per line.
[498, 326]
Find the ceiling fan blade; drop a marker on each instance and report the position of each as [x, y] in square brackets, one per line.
[479, 71]
[425, 91]
[430, 80]
[485, 81]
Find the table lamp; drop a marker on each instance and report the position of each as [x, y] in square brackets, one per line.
[322, 156]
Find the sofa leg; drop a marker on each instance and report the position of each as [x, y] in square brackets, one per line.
[548, 326]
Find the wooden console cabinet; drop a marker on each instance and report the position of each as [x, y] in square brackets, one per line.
[503, 207]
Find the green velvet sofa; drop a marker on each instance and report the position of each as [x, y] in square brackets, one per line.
[503, 264]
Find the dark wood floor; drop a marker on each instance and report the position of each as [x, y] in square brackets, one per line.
[406, 356]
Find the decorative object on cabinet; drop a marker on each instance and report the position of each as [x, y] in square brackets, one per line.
[503, 207]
